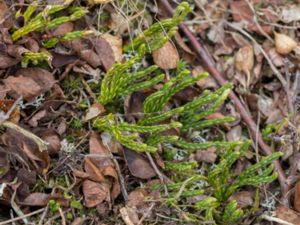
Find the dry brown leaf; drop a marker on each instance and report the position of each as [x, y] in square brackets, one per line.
[16, 51]
[284, 44]
[60, 60]
[166, 57]
[265, 105]
[242, 12]
[85, 51]
[129, 215]
[105, 52]
[182, 44]
[115, 189]
[7, 61]
[27, 151]
[243, 198]
[275, 57]
[137, 197]
[288, 215]
[116, 44]
[93, 171]
[95, 110]
[235, 134]
[36, 199]
[208, 155]
[134, 106]
[32, 45]
[26, 176]
[138, 165]
[63, 29]
[297, 197]
[42, 77]
[34, 120]
[100, 167]
[3, 10]
[52, 138]
[23, 86]
[4, 164]
[94, 193]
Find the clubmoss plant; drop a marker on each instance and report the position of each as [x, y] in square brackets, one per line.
[216, 184]
[45, 20]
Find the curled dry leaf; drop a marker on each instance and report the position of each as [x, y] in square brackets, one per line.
[182, 44]
[26, 151]
[166, 57]
[284, 44]
[100, 166]
[95, 110]
[244, 61]
[138, 165]
[16, 51]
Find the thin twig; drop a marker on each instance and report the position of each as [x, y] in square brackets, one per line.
[275, 219]
[22, 217]
[121, 178]
[146, 214]
[157, 171]
[40, 143]
[211, 68]
[63, 219]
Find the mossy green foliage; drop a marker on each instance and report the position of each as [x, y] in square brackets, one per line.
[43, 19]
[48, 19]
[122, 79]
